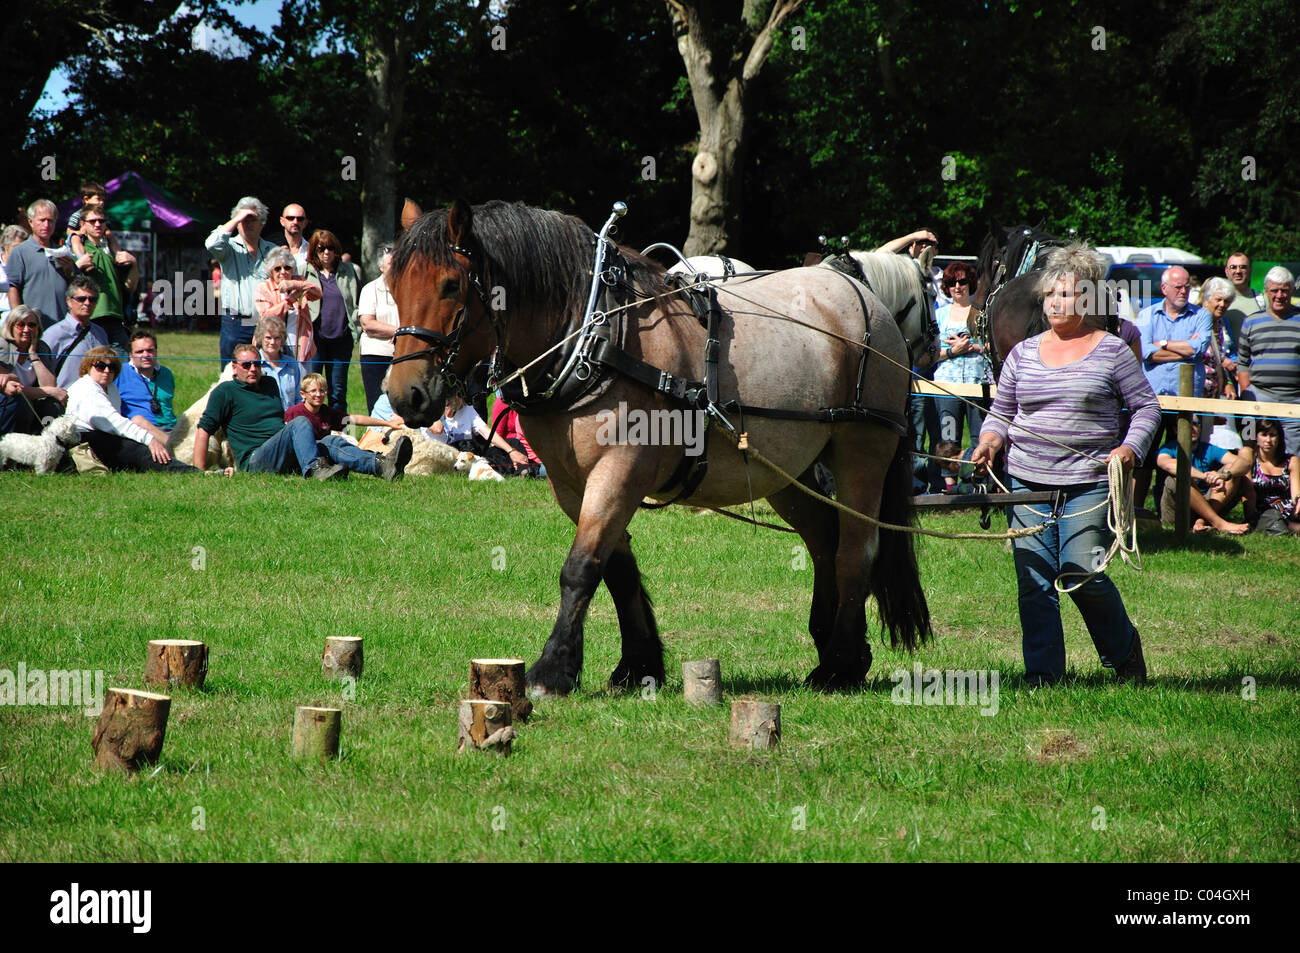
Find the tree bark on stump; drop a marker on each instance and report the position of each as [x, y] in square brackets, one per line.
[130, 730]
[176, 662]
[702, 682]
[501, 680]
[755, 724]
[484, 725]
[342, 657]
[316, 732]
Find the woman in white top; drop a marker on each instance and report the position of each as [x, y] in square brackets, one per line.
[119, 443]
[961, 360]
[378, 315]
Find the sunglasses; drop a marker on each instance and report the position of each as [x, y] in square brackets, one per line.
[282, 268]
[325, 248]
[27, 324]
[84, 298]
[961, 281]
[296, 218]
[248, 365]
[94, 221]
[102, 366]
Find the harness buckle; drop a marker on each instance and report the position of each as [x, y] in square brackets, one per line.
[582, 370]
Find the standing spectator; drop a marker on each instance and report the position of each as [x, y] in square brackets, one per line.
[294, 222]
[276, 365]
[1268, 352]
[961, 360]
[10, 238]
[334, 316]
[1245, 300]
[97, 261]
[287, 297]
[38, 269]
[379, 322]
[64, 345]
[1174, 332]
[119, 443]
[239, 248]
[146, 387]
[1079, 408]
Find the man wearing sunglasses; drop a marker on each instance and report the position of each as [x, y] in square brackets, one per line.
[146, 387]
[294, 221]
[98, 262]
[63, 346]
[249, 410]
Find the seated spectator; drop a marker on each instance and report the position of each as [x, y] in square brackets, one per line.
[389, 418]
[64, 344]
[276, 365]
[285, 297]
[1273, 482]
[1216, 483]
[147, 388]
[11, 400]
[325, 420]
[19, 334]
[119, 443]
[525, 461]
[461, 427]
[249, 409]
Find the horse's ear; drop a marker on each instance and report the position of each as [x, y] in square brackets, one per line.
[926, 258]
[459, 222]
[410, 212]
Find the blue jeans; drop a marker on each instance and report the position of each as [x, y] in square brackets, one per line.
[924, 419]
[951, 413]
[350, 455]
[1071, 545]
[293, 447]
[233, 331]
[333, 356]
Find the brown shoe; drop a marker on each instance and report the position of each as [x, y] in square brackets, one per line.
[1135, 668]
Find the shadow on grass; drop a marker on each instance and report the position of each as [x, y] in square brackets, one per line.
[1166, 541]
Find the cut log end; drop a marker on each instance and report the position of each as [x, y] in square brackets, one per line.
[316, 733]
[176, 662]
[755, 724]
[343, 657]
[502, 680]
[484, 726]
[702, 682]
[130, 730]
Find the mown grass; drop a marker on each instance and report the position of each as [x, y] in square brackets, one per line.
[1185, 769]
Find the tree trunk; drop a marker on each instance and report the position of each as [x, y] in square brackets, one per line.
[502, 680]
[720, 78]
[316, 733]
[342, 656]
[386, 60]
[483, 726]
[755, 724]
[174, 662]
[131, 729]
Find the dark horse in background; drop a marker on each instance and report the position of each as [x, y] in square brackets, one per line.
[1008, 296]
[787, 366]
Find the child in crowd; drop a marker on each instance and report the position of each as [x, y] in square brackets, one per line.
[93, 195]
[325, 420]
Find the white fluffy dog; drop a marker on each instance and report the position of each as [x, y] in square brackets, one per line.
[476, 468]
[42, 452]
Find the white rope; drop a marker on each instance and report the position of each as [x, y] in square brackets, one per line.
[1120, 520]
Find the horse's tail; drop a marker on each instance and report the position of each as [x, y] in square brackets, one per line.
[895, 577]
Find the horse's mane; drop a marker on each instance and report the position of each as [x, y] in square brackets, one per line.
[541, 258]
[894, 278]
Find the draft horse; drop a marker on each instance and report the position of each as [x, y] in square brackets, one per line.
[779, 355]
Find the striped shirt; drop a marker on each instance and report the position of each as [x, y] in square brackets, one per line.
[1078, 405]
[1270, 349]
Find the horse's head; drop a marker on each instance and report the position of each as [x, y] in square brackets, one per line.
[447, 324]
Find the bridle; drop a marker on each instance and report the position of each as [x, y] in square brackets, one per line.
[461, 327]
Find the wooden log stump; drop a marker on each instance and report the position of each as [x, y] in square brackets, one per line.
[702, 682]
[484, 725]
[175, 662]
[316, 732]
[130, 730]
[342, 657]
[755, 724]
[501, 680]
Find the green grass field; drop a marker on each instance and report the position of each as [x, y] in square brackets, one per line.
[1200, 765]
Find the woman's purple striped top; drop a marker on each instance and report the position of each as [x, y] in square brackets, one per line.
[1078, 405]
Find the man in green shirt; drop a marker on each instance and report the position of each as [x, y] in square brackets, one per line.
[99, 262]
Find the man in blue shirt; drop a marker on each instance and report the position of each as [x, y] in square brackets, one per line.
[1174, 332]
[146, 387]
[1218, 476]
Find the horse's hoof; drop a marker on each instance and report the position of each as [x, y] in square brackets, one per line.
[630, 678]
[544, 685]
[827, 679]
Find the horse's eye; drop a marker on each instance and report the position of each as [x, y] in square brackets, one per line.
[450, 288]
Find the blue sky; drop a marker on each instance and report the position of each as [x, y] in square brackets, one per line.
[262, 14]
